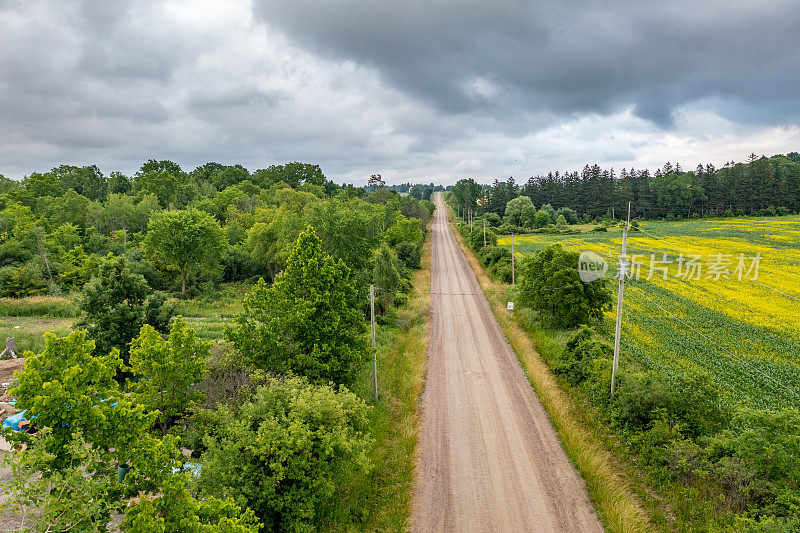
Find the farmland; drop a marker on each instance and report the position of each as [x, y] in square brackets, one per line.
[742, 332]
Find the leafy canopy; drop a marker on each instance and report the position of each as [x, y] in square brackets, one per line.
[184, 239]
[167, 371]
[551, 285]
[117, 302]
[288, 442]
[308, 322]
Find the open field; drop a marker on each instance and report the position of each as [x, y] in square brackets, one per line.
[744, 333]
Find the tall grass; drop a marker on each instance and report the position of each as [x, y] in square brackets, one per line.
[617, 505]
[49, 306]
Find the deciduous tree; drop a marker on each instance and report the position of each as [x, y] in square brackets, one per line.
[184, 239]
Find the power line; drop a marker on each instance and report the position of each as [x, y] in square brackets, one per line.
[432, 293]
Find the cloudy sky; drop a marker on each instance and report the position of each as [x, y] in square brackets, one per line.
[415, 90]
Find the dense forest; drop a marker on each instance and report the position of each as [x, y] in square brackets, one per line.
[253, 412]
[761, 186]
[55, 226]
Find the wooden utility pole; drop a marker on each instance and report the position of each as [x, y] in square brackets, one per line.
[374, 351]
[513, 278]
[623, 270]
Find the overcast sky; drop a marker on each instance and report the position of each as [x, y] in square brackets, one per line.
[413, 90]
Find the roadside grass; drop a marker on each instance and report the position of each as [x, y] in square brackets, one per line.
[382, 500]
[617, 504]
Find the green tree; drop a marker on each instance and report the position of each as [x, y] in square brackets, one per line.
[175, 510]
[404, 230]
[185, 239]
[550, 284]
[542, 219]
[278, 452]
[308, 322]
[386, 276]
[167, 371]
[520, 211]
[117, 302]
[69, 388]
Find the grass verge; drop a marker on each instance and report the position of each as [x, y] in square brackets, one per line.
[617, 505]
[382, 500]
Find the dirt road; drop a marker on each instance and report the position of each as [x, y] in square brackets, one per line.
[490, 460]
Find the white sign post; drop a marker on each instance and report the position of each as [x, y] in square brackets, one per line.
[510, 306]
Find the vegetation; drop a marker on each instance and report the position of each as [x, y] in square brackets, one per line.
[312, 248]
[708, 368]
[166, 371]
[761, 186]
[288, 441]
[184, 239]
[308, 322]
[550, 285]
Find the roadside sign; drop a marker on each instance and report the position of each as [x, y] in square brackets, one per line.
[510, 306]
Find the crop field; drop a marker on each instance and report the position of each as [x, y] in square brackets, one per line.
[725, 298]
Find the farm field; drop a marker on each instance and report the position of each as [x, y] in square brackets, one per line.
[744, 333]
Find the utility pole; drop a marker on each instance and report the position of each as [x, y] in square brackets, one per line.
[484, 230]
[513, 280]
[623, 270]
[374, 351]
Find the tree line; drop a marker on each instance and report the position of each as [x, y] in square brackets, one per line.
[187, 231]
[759, 186]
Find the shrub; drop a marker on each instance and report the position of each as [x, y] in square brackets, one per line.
[24, 281]
[167, 371]
[117, 302]
[550, 285]
[492, 219]
[569, 215]
[581, 350]
[542, 219]
[279, 452]
[409, 253]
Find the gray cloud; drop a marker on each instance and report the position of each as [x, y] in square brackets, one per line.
[408, 89]
[564, 56]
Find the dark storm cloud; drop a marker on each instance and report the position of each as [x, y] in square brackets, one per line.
[403, 88]
[566, 56]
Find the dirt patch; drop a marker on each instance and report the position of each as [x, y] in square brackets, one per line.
[7, 368]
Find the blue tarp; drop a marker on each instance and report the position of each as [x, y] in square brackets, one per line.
[13, 421]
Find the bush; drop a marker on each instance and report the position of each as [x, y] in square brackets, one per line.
[497, 260]
[409, 253]
[24, 281]
[691, 404]
[542, 219]
[569, 215]
[492, 219]
[167, 371]
[575, 363]
[550, 285]
[476, 238]
[117, 302]
[279, 452]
